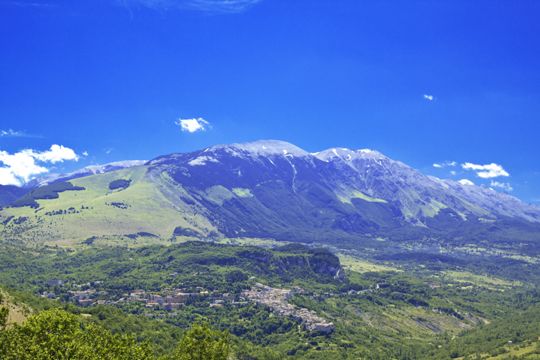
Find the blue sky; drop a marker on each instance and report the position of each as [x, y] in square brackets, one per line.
[113, 77]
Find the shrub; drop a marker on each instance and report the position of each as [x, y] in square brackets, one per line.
[119, 184]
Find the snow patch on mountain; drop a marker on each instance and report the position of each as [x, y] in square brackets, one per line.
[202, 160]
[345, 154]
[466, 182]
[261, 148]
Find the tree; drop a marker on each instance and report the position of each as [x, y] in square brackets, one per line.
[203, 343]
[56, 334]
[4, 313]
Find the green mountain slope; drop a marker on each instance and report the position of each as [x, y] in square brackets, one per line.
[140, 210]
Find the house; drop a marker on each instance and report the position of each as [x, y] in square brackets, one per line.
[55, 282]
[85, 302]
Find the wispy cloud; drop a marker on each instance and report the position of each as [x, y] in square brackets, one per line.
[487, 171]
[222, 6]
[33, 4]
[193, 125]
[502, 185]
[428, 97]
[444, 164]
[18, 168]
[209, 6]
[16, 133]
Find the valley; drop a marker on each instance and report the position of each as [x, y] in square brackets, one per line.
[414, 312]
[339, 254]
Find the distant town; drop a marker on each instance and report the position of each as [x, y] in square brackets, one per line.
[276, 299]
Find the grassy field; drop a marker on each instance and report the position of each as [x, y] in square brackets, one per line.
[17, 312]
[355, 194]
[362, 266]
[525, 352]
[488, 282]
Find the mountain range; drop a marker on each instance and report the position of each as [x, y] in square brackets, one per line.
[338, 254]
[267, 189]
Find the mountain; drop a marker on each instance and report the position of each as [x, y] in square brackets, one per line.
[272, 189]
[331, 255]
[86, 171]
[10, 193]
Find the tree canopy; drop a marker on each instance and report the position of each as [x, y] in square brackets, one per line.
[57, 334]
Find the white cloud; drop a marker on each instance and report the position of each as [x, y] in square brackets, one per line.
[193, 125]
[487, 171]
[429, 97]
[444, 164]
[57, 153]
[502, 185]
[20, 167]
[466, 182]
[453, 172]
[7, 177]
[85, 153]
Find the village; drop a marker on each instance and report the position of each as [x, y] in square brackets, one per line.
[276, 299]
[88, 294]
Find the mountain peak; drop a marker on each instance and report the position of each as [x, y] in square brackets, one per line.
[348, 154]
[369, 153]
[262, 148]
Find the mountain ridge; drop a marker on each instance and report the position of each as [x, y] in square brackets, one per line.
[274, 189]
[82, 172]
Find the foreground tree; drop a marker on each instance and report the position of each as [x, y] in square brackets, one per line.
[203, 343]
[59, 335]
[56, 334]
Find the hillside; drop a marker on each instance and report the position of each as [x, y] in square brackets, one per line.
[11, 310]
[95, 210]
[10, 193]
